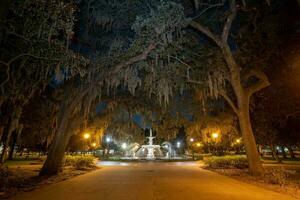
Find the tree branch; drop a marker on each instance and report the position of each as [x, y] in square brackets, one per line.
[229, 21]
[133, 60]
[209, 6]
[229, 101]
[262, 83]
[24, 55]
[206, 31]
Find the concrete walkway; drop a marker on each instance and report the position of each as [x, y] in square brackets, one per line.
[145, 181]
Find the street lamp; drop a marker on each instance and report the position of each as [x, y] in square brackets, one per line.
[94, 144]
[215, 135]
[124, 146]
[86, 136]
[108, 140]
[178, 144]
[192, 140]
[238, 141]
[198, 144]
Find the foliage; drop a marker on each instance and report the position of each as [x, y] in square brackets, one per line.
[277, 176]
[224, 162]
[80, 162]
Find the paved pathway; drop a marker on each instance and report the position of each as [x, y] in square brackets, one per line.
[151, 181]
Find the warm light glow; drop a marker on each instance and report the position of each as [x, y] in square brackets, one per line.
[94, 144]
[192, 139]
[124, 146]
[238, 141]
[86, 136]
[198, 144]
[215, 135]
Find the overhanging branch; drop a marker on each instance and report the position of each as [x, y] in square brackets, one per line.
[229, 20]
[205, 30]
[140, 57]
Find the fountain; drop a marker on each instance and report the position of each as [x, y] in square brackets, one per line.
[150, 151]
[150, 148]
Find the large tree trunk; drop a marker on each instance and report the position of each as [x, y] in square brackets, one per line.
[12, 146]
[13, 125]
[242, 111]
[55, 157]
[255, 166]
[54, 161]
[239, 104]
[16, 135]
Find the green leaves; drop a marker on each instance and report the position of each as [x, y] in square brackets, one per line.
[162, 24]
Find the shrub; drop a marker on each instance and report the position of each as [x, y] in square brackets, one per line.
[278, 176]
[80, 162]
[225, 162]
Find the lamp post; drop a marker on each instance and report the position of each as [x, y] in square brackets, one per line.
[190, 147]
[86, 136]
[124, 147]
[94, 144]
[108, 140]
[215, 136]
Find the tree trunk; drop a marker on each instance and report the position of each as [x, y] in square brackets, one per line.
[55, 157]
[242, 111]
[291, 151]
[283, 152]
[54, 161]
[14, 123]
[12, 146]
[275, 154]
[255, 166]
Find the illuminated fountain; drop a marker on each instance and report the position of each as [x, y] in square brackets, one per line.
[149, 151]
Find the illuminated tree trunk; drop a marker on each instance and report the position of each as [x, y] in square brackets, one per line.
[254, 162]
[13, 125]
[54, 161]
[242, 111]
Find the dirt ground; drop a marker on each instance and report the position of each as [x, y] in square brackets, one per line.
[23, 177]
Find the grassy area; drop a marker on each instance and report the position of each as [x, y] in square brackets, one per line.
[287, 161]
[23, 162]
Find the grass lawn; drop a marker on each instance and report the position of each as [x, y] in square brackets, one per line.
[12, 163]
